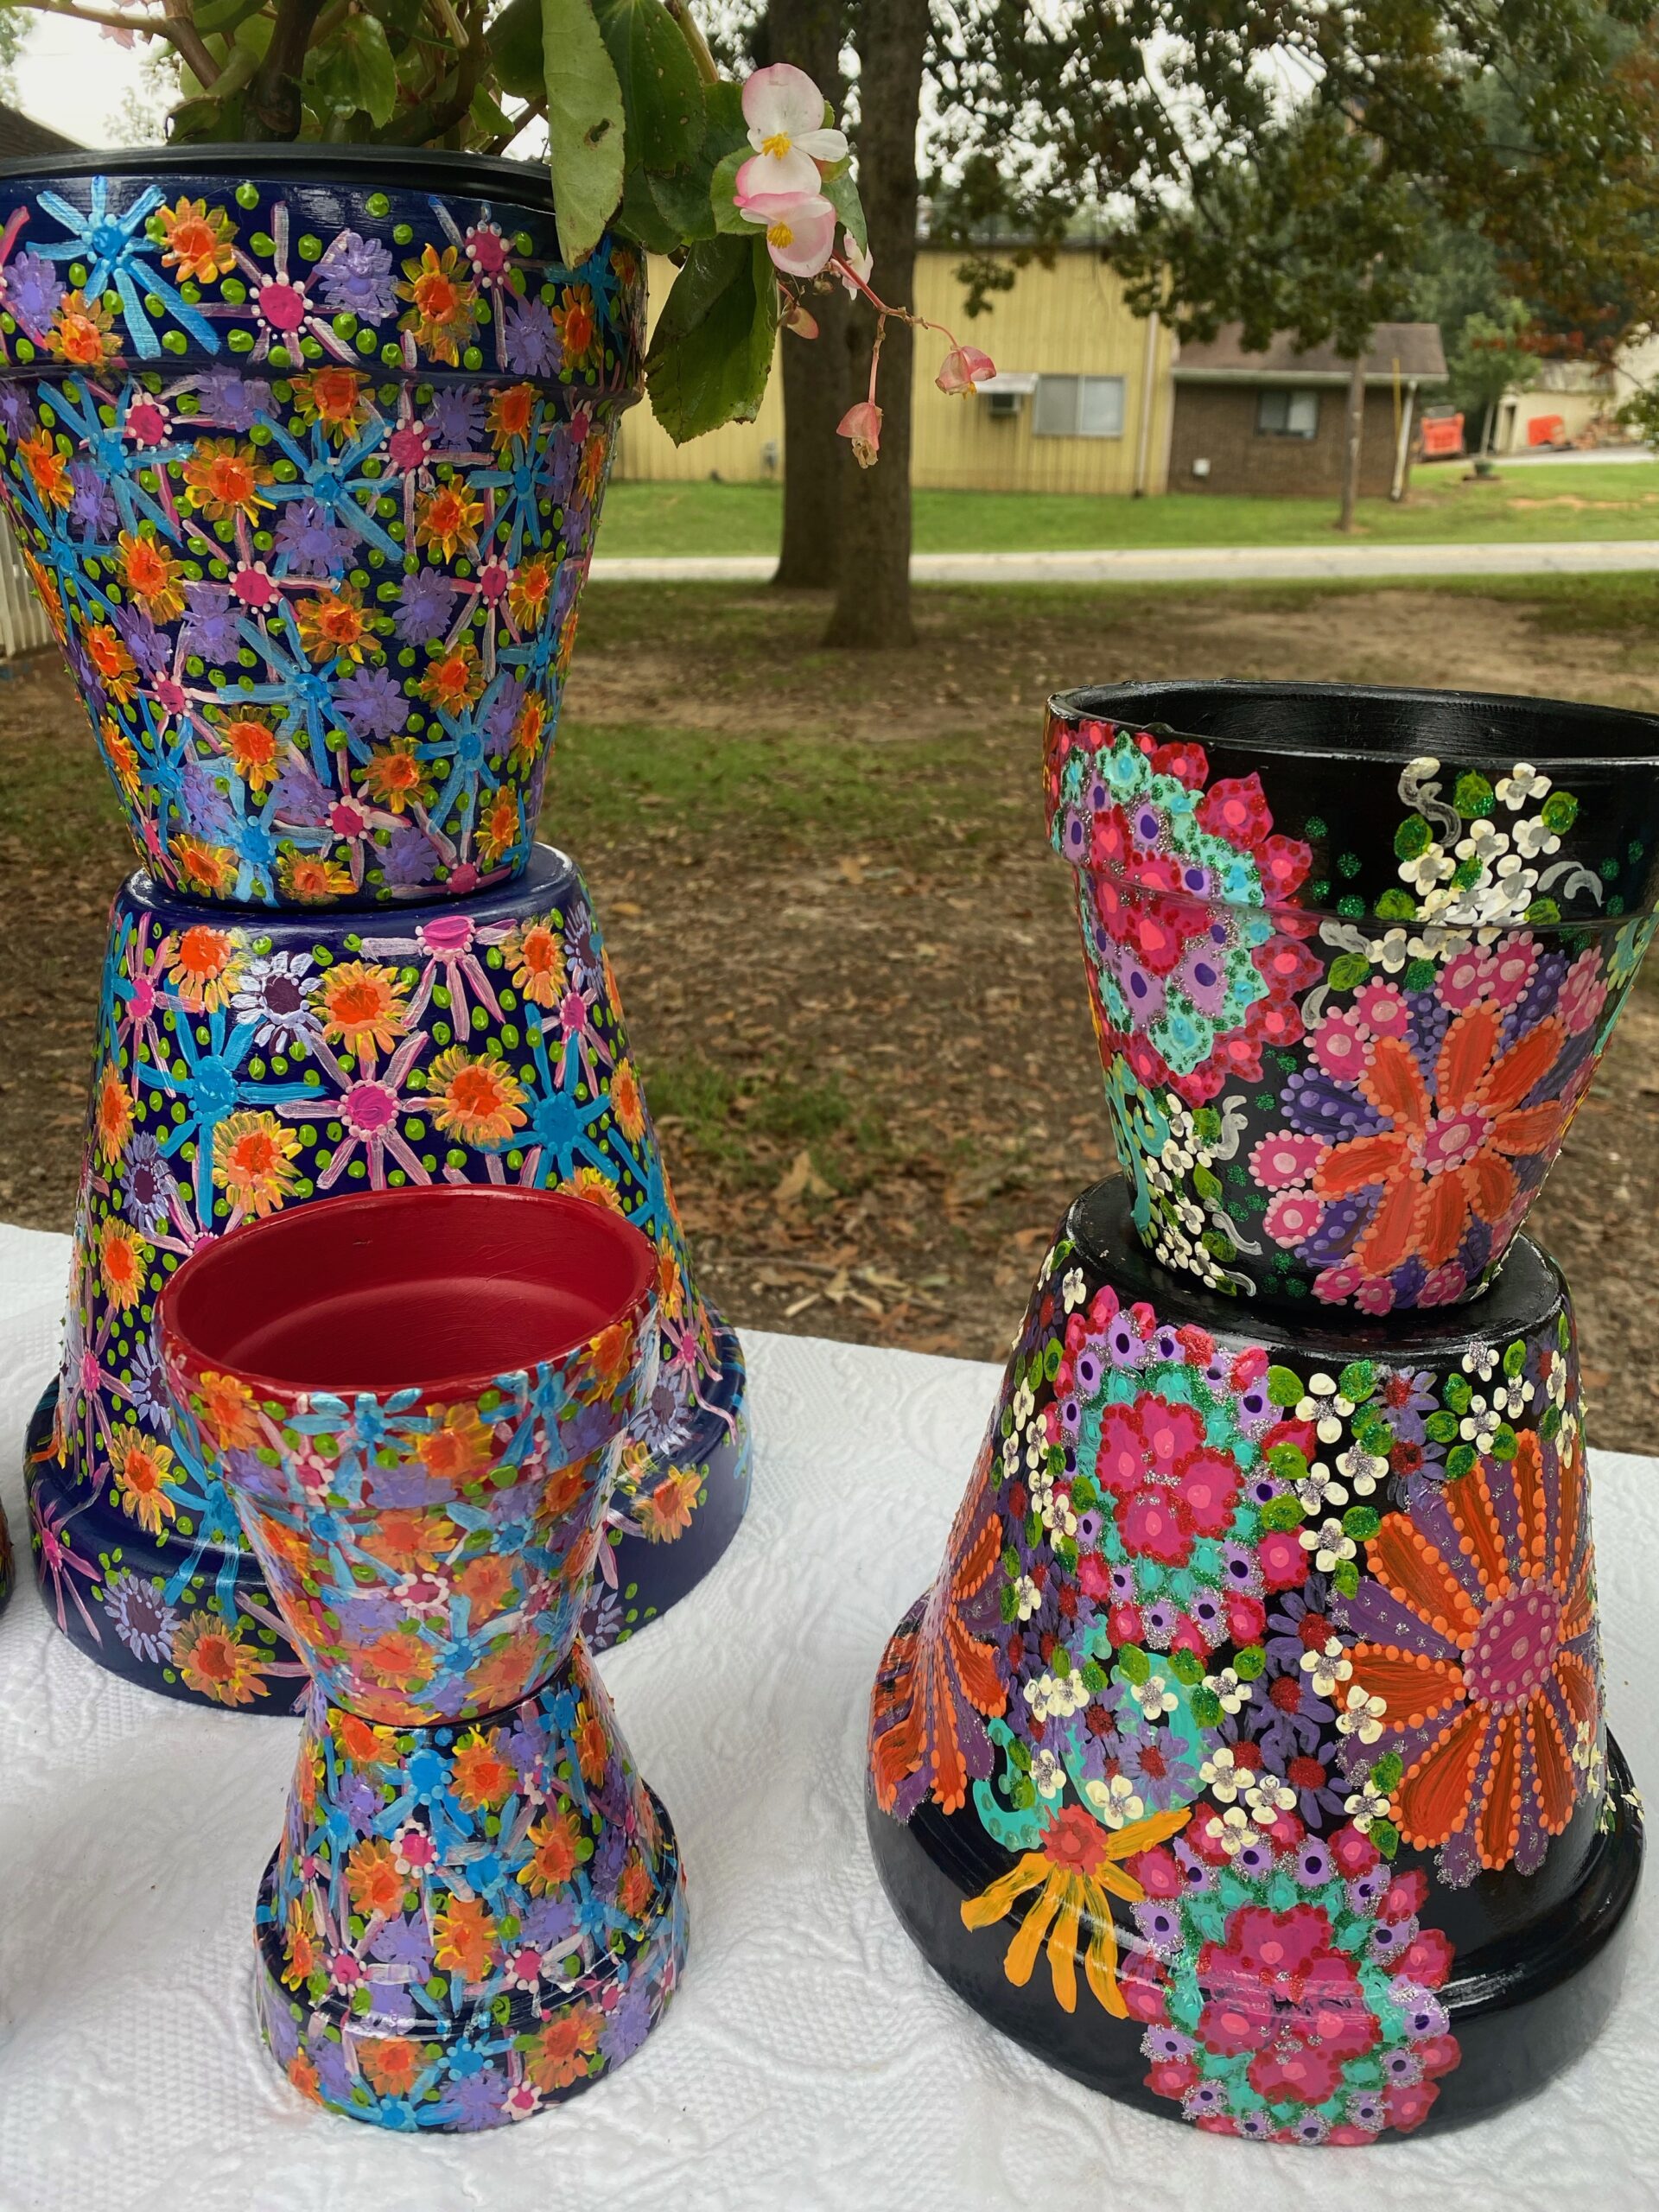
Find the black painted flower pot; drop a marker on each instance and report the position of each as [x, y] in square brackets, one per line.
[1247, 1760]
[304, 450]
[1353, 956]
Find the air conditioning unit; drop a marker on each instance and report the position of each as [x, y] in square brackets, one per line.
[1004, 394]
[1006, 403]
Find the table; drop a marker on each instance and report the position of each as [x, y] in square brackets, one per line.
[812, 2058]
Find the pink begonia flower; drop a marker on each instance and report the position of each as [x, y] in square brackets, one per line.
[800, 233]
[784, 110]
[862, 424]
[964, 368]
[859, 262]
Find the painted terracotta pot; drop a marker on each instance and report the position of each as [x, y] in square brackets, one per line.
[304, 452]
[417, 1400]
[1247, 1760]
[250, 1063]
[1353, 957]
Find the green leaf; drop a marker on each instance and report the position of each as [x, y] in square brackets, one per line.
[662, 92]
[584, 129]
[711, 353]
[682, 201]
[1357, 1380]
[725, 126]
[213, 17]
[515, 42]
[1347, 970]
[370, 70]
[1283, 1388]
[842, 194]
[641, 218]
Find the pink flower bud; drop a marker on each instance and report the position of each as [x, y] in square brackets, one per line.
[964, 368]
[796, 318]
[862, 424]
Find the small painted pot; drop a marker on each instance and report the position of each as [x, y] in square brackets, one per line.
[304, 451]
[250, 1063]
[1352, 957]
[1247, 1759]
[417, 1400]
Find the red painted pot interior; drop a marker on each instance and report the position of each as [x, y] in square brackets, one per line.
[437, 1288]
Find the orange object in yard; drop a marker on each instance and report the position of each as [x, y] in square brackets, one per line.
[1545, 431]
[1442, 436]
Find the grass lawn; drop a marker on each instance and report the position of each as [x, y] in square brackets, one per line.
[840, 933]
[1564, 500]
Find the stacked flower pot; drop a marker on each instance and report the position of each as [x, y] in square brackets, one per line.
[305, 451]
[1247, 1759]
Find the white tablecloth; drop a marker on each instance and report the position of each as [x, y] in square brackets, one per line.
[812, 2058]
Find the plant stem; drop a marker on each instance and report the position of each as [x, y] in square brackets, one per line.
[692, 33]
[184, 35]
[272, 107]
[144, 26]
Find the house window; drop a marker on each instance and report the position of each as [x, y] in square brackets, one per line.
[1078, 407]
[1283, 414]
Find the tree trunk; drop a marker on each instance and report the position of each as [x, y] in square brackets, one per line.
[872, 606]
[1355, 435]
[809, 33]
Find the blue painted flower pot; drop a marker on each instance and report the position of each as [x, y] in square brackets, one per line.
[304, 453]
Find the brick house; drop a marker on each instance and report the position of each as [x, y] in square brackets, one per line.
[1276, 422]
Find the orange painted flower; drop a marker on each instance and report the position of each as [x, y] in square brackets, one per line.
[528, 728]
[566, 643]
[447, 523]
[634, 1888]
[204, 967]
[359, 1742]
[561, 2052]
[529, 590]
[45, 583]
[665, 1512]
[486, 1583]
[112, 1115]
[333, 626]
[336, 397]
[83, 332]
[120, 753]
[253, 1158]
[511, 413]
[627, 1102]
[145, 1472]
[443, 313]
[535, 960]
[255, 750]
[593, 1746]
[225, 481]
[377, 1884]
[453, 683]
[590, 469]
[48, 471]
[122, 1257]
[301, 1952]
[464, 1939]
[596, 1187]
[302, 2073]
[395, 776]
[577, 325]
[501, 829]
[482, 1776]
[393, 2064]
[227, 1405]
[1076, 1875]
[397, 1659]
[1498, 1673]
[1446, 1155]
[505, 1676]
[151, 575]
[459, 1446]
[215, 1663]
[107, 651]
[475, 1099]
[363, 1005]
[198, 243]
[210, 869]
[312, 881]
[409, 1537]
[555, 1842]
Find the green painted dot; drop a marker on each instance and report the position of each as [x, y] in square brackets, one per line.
[233, 290]
[392, 356]
[377, 204]
[240, 341]
[310, 247]
[279, 358]
[174, 340]
[154, 304]
[402, 234]
[261, 243]
[247, 195]
[1348, 905]
[1348, 864]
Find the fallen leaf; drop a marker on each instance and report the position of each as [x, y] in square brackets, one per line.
[803, 1181]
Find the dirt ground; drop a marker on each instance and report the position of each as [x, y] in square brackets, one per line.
[846, 954]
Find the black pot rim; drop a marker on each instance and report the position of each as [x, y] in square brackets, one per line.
[485, 176]
[1393, 724]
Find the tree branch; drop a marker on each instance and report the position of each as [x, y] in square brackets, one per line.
[691, 32]
[272, 107]
[184, 35]
[106, 17]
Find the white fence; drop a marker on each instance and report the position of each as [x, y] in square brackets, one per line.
[23, 626]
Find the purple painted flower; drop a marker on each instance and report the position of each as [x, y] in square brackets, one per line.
[148, 646]
[299, 801]
[411, 858]
[210, 624]
[371, 703]
[313, 543]
[15, 412]
[459, 415]
[33, 291]
[148, 1184]
[149, 1392]
[472, 2099]
[274, 995]
[232, 400]
[423, 614]
[91, 504]
[529, 341]
[355, 276]
[140, 1615]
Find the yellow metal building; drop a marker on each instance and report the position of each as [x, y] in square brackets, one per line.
[1082, 401]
